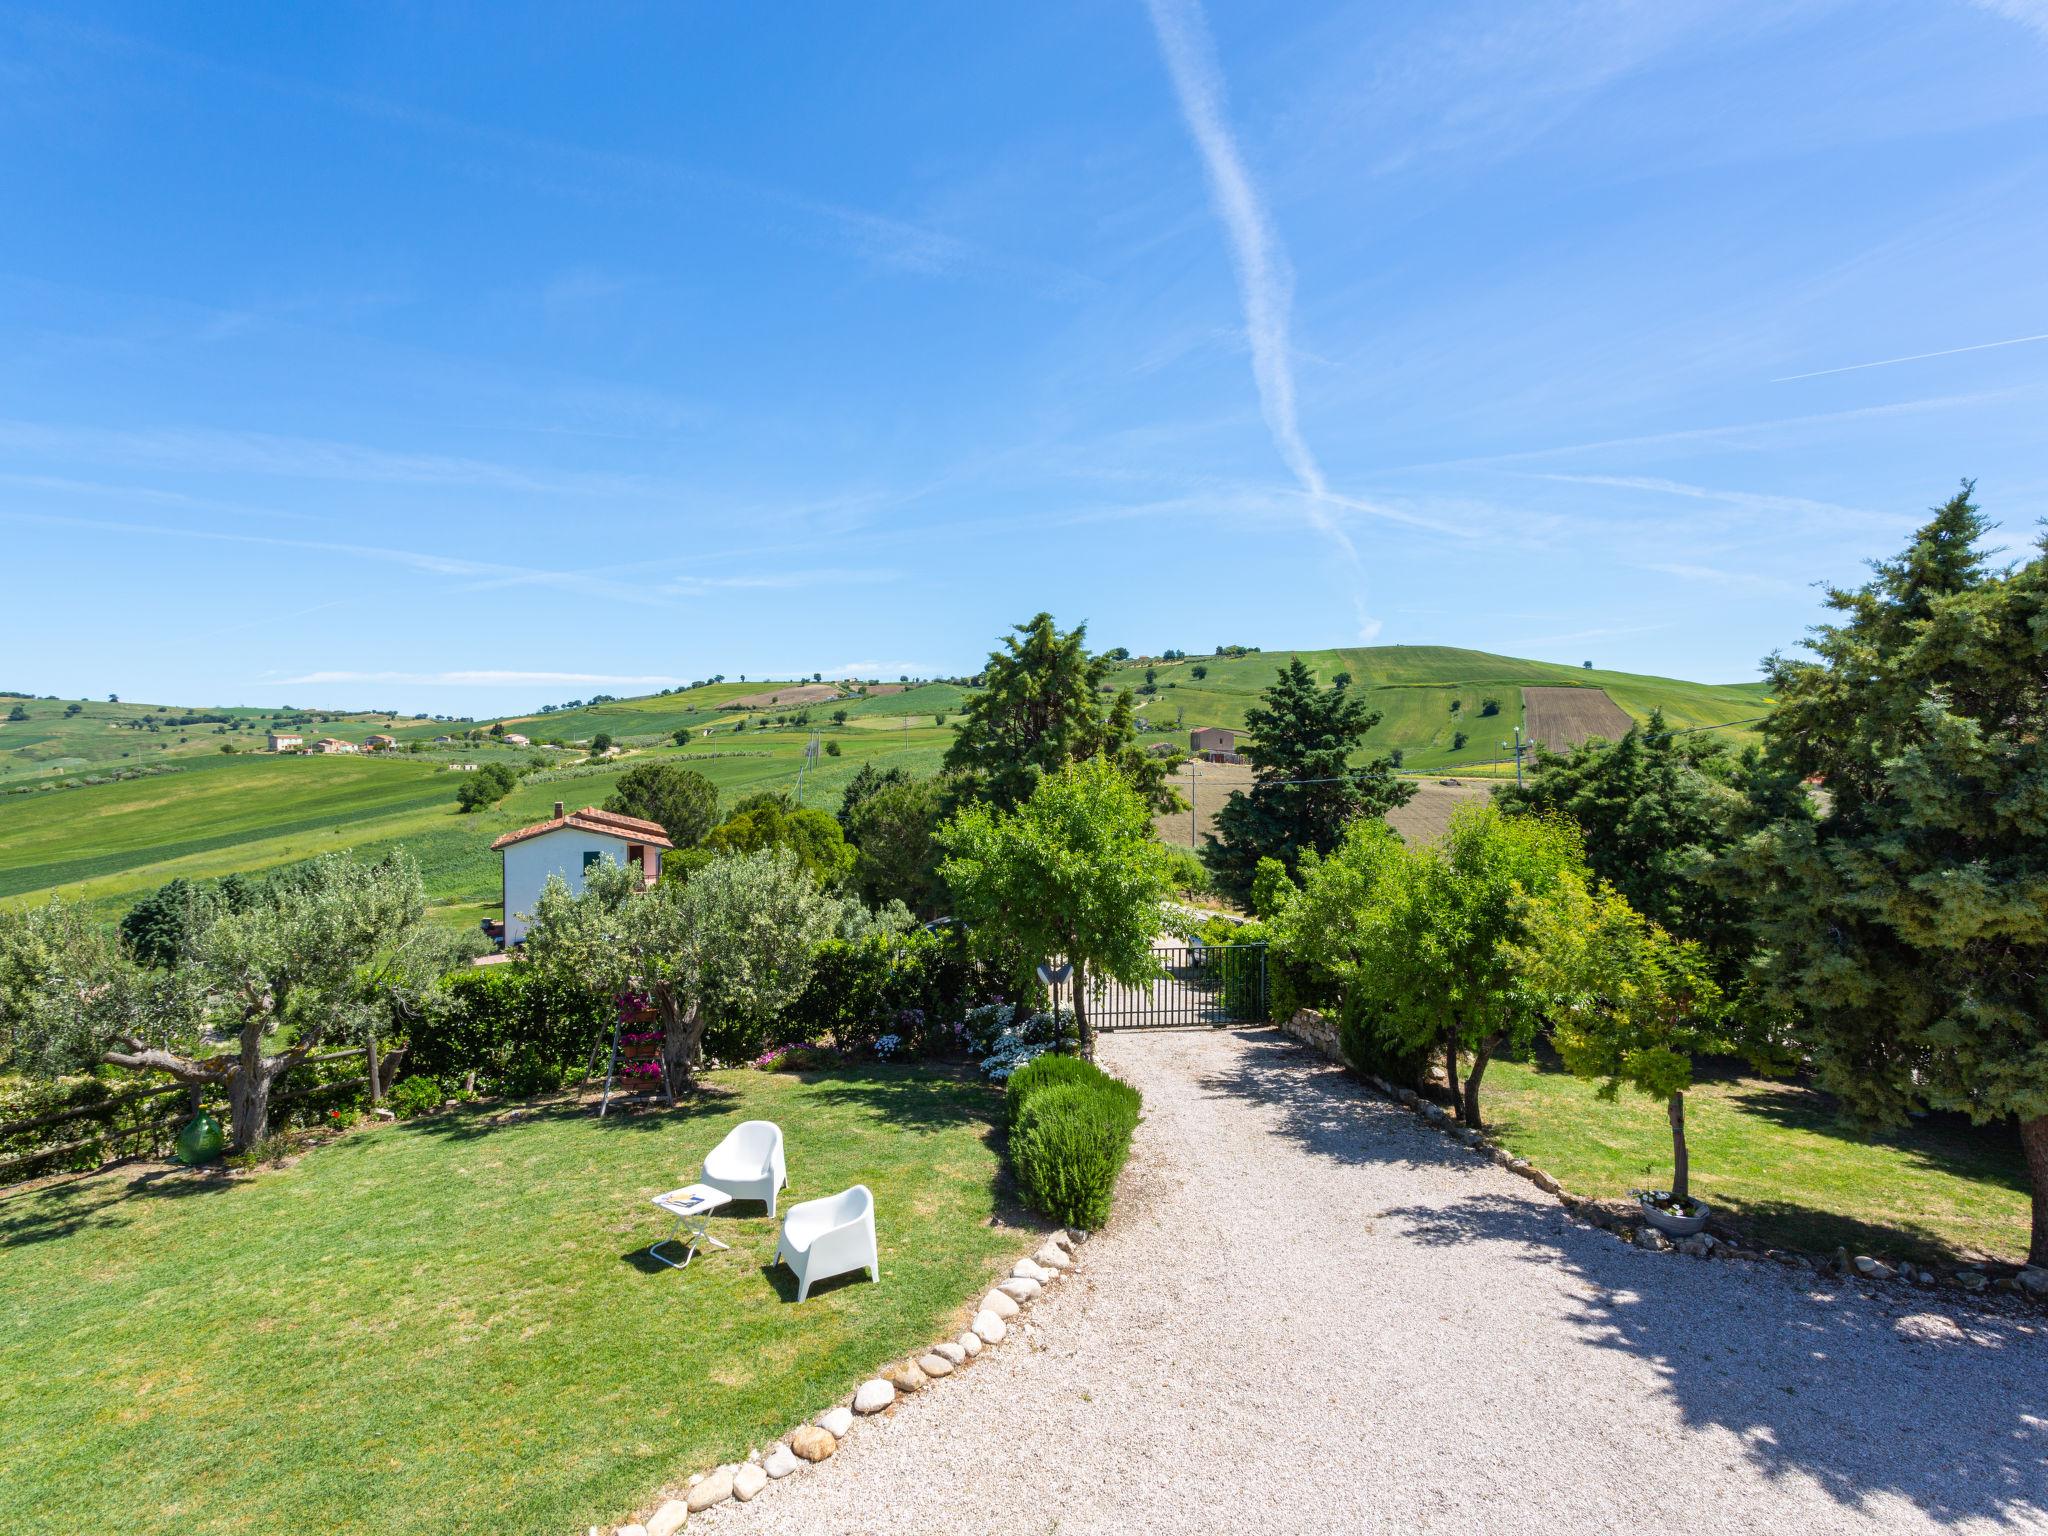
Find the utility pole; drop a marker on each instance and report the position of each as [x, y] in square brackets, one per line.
[1194, 837]
[1517, 745]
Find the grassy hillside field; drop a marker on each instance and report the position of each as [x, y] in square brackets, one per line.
[1414, 686]
[202, 813]
[109, 843]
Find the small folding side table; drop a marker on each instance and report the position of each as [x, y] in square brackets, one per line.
[689, 1205]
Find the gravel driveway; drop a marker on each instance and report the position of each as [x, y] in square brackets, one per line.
[1312, 1314]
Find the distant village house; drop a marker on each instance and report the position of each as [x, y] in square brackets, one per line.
[334, 744]
[568, 844]
[514, 739]
[286, 741]
[379, 743]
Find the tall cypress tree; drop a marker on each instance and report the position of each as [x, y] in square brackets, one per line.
[1304, 789]
[1908, 922]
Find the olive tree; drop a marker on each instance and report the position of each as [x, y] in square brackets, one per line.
[731, 948]
[334, 951]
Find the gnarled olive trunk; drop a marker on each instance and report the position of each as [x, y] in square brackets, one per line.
[682, 1035]
[1451, 1067]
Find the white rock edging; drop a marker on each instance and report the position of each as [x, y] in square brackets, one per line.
[923, 1370]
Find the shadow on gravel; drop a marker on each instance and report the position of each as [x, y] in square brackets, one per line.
[1947, 1414]
[1327, 1111]
[1950, 1414]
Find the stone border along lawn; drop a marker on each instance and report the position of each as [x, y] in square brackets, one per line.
[817, 1440]
[1981, 1281]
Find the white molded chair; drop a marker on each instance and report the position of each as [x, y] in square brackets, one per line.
[748, 1164]
[832, 1236]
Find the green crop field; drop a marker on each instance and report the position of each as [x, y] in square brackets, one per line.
[1414, 687]
[202, 813]
[109, 843]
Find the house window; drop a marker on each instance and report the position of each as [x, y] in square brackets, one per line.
[589, 859]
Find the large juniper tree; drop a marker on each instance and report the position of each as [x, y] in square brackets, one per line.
[1909, 922]
[1304, 788]
[1040, 708]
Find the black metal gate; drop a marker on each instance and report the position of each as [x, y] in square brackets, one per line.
[1203, 984]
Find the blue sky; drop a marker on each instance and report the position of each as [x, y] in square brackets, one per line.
[461, 358]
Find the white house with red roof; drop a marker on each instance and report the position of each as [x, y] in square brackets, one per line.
[568, 844]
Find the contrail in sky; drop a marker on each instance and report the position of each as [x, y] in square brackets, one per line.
[1263, 277]
[1982, 346]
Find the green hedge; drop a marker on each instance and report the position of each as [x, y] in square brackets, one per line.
[1070, 1134]
[861, 989]
[519, 1032]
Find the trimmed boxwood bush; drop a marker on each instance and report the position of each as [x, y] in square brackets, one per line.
[1070, 1133]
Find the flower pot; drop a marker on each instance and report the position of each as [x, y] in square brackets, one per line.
[1668, 1224]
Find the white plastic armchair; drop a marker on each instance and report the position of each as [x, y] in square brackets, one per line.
[748, 1164]
[832, 1236]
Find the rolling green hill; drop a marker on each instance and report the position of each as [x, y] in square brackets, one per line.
[1414, 687]
[202, 813]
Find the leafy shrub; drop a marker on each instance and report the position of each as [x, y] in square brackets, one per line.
[411, 1097]
[521, 1031]
[1069, 1142]
[1190, 875]
[861, 989]
[1366, 1048]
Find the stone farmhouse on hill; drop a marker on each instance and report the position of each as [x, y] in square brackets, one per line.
[568, 844]
[286, 741]
[1215, 744]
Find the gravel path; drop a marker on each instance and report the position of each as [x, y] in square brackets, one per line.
[1378, 1330]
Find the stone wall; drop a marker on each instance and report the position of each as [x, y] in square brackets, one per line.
[1312, 1029]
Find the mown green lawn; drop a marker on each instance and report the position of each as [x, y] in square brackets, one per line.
[1772, 1156]
[450, 1325]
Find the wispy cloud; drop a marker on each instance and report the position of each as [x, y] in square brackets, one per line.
[1739, 434]
[1577, 635]
[1265, 281]
[483, 571]
[1912, 357]
[2032, 14]
[484, 679]
[211, 451]
[1714, 575]
[1751, 501]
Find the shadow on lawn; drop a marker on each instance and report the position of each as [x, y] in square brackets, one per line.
[1808, 1383]
[472, 1122]
[928, 1097]
[93, 1201]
